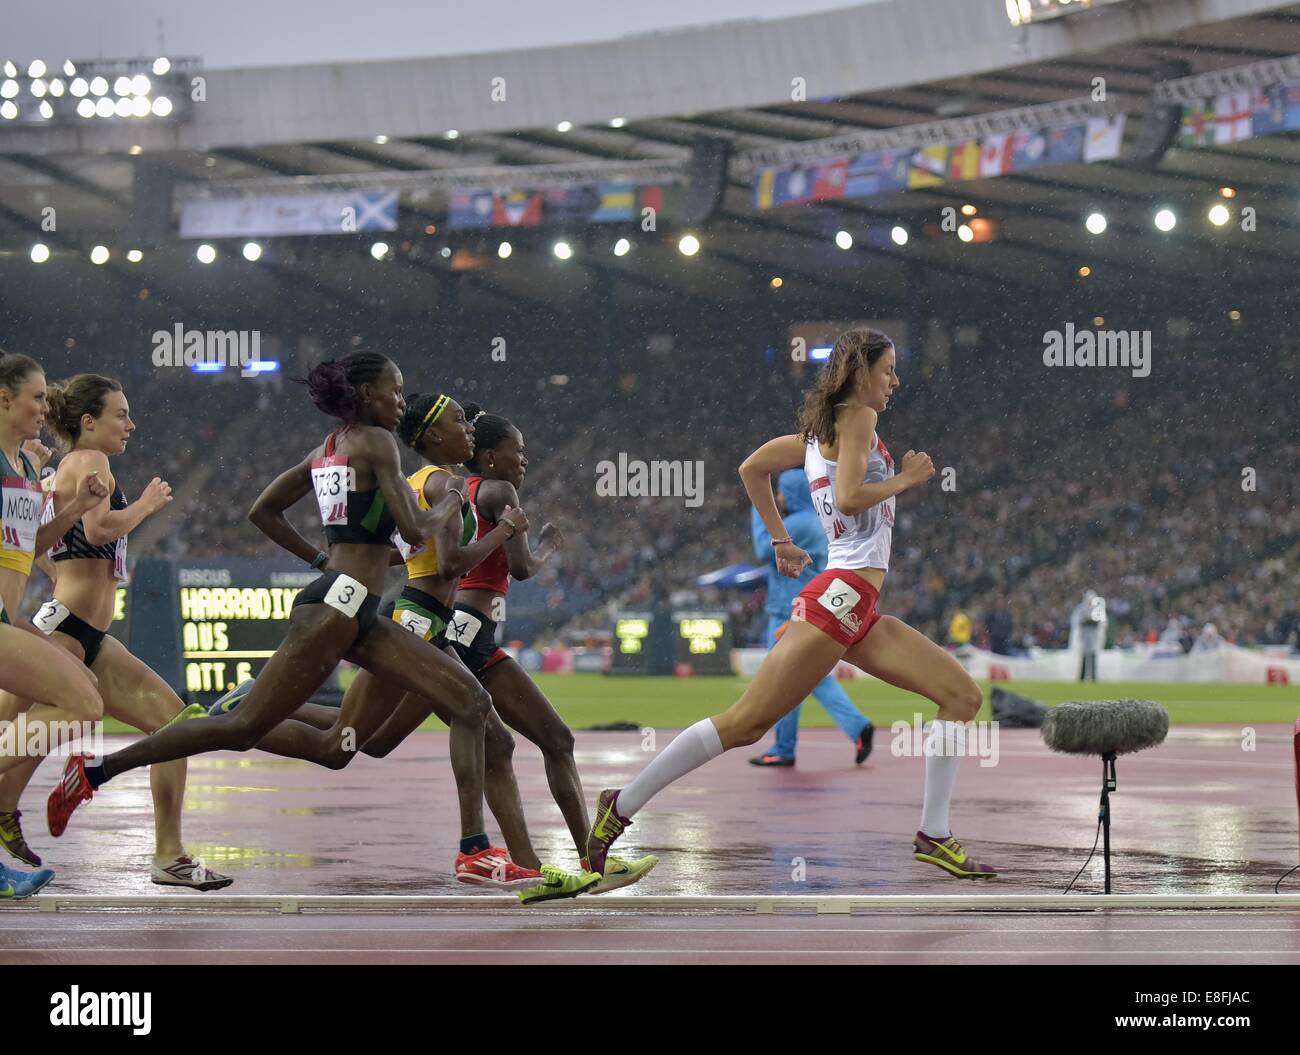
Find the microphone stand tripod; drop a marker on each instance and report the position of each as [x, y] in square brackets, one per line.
[1108, 785]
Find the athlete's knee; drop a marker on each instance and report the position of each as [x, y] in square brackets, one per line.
[558, 741]
[966, 700]
[475, 703]
[739, 732]
[498, 747]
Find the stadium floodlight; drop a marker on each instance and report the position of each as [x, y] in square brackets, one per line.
[140, 107]
[39, 88]
[1219, 215]
[40, 253]
[622, 247]
[56, 88]
[843, 239]
[124, 107]
[9, 89]
[616, 122]
[688, 245]
[45, 109]
[1165, 220]
[86, 108]
[79, 87]
[69, 69]
[141, 85]
[562, 250]
[504, 250]
[134, 255]
[36, 69]
[777, 282]
[135, 150]
[104, 108]
[205, 253]
[8, 110]
[1025, 12]
[1096, 223]
[445, 252]
[965, 233]
[379, 250]
[98, 86]
[899, 235]
[162, 106]
[160, 67]
[564, 126]
[252, 252]
[452, 134]
[10, 70]
[99, 255]
[122, 86]
[381, 140]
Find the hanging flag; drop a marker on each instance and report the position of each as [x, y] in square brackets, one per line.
[1292, 94]
[964, 161]
[862, 177]
[1105, 135]
[995, 155]
[1269, 106]
[1198, 124]
[1065, 143]
[617, 201]
[927, 166]
[1233, 112]
[1028, 151]
[895, 168]
[764, 189]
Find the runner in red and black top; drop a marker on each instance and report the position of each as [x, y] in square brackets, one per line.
[496, 472]
[357, 480]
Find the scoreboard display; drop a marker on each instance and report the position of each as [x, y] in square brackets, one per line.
[704, 641]
[205, 626]
[656, 643]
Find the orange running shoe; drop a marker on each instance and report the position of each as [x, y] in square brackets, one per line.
[68, 794]
[493, 868]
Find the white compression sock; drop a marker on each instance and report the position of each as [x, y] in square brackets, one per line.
[943, 753]
[689, 750]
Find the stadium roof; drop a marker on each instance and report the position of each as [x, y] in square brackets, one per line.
[1039, 247]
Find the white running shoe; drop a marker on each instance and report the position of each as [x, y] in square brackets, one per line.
[189, 872]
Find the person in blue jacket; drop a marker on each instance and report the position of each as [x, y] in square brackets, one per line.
[802, 525]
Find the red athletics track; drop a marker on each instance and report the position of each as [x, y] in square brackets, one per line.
[1196, 816]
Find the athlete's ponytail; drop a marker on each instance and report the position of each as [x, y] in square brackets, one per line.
[856, 349]
[14, 369]
[489, 431]
[73, 399]
[334, 384]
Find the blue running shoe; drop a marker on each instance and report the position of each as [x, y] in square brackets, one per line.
[230, 700]
[17, 885]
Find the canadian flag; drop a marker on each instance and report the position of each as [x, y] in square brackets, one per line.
[995, 155]
[1234, 117]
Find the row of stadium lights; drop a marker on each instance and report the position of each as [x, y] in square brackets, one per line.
[688, 245]
[562, 126]
[124, 87]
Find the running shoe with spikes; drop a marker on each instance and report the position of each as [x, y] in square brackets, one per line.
[557, 884]
[189, 872]
[949, 855]
[608, 827]
[493, 868]
[68, 794]
[621, 873]
[17, 885]
[11, 838]
[231, 700]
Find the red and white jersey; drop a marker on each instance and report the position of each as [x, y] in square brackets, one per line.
[861, 541]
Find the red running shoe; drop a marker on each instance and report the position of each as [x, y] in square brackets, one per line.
[493, 868]
[68, 794]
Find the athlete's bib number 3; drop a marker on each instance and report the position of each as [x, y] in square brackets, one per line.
[333, 478]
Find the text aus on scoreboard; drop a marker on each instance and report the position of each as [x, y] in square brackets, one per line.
[229, 632]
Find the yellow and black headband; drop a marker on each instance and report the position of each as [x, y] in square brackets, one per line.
[435, 411]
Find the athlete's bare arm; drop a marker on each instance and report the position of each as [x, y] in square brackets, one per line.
[498, 500]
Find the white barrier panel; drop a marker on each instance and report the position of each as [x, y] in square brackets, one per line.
[1143, 663]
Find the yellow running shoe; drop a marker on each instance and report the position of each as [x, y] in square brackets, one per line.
[608, 826]
[558, 884]
[194, 710]
[950, 856]
[621, 873]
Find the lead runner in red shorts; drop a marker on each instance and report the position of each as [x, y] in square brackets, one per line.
[854, 485]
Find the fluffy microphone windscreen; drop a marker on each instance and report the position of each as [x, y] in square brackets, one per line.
[1094, 727]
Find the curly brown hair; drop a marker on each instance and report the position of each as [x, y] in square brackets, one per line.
[856, 349]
